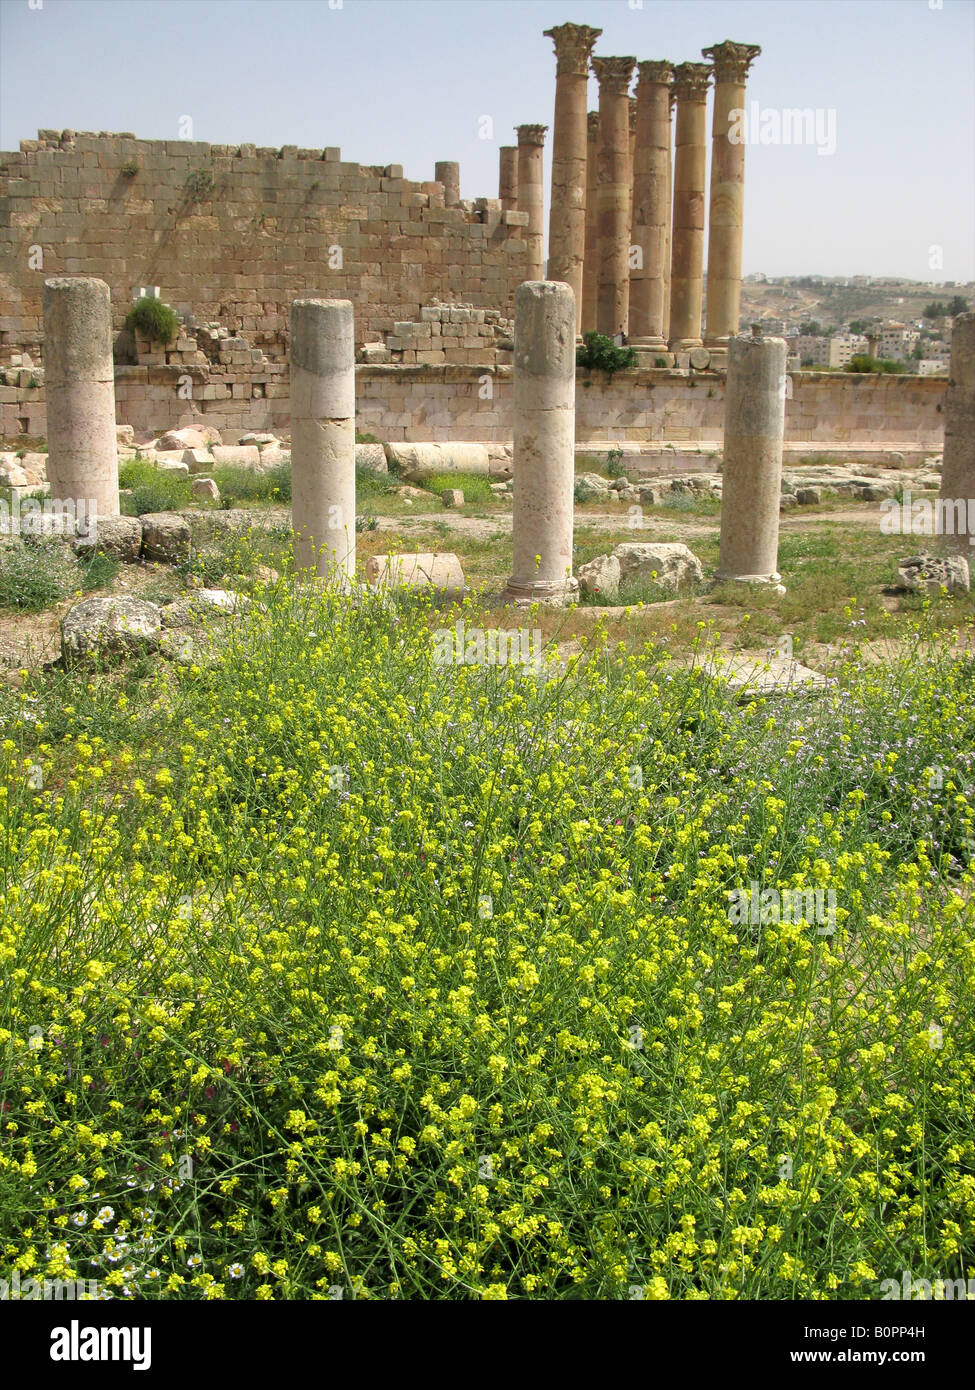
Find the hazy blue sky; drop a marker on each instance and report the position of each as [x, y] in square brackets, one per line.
[410, 81]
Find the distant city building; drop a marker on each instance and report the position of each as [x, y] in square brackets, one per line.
[843, 346]
[897, 341]
[930, 366]
[813, 350]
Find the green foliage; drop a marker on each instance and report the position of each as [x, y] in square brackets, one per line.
[36, 574]
[863, 362]
[153, 320]
[129, 169]
[476, 487]
[600, 353]
[153, 490]
[239, 485]
[199, 186]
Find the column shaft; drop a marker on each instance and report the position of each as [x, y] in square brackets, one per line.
[725, 217]
[752, 474]
[544, 444]
[508, 178]
[670, 213]
[82, 464]
[567, 217]
[323, 436]
[613, 193]
[590, 269]
[447, 172]
[690, 163]
[958, 467]
[651, 204]
[531, 195]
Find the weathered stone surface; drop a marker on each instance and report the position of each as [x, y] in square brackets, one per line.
[807, 496]
[589, 486]
[372, 456]
[165, 536]
[419, 461]
[926, 574]
[110, 625]
[600, 578]
[452, 497]
[182, 439]
[118, 536]
[206, 490]
[203, 604]
[675, 565]
[124, 434]
[248, 456]
[442, 572]
[754, 676]
[195, 459]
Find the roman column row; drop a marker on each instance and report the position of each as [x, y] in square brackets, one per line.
[627, 211]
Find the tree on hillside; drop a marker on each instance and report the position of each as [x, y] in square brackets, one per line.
[812, 328]
[936, 310]
[957, 306]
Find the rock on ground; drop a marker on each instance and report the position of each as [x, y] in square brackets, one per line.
[118, 536]
[110, 625]
[925, 574]
[204, 603]
[165, 536]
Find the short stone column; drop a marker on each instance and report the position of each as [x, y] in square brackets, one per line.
[567, 213]
[725, 215]
[508, 177]
[323, 437]
[79, 373]
[590, 268]
[690, 163]
[447, 172]
[613, 193]
[544, 444]
[958, 464]
[754, 425]
[651, 205]
[531, 195]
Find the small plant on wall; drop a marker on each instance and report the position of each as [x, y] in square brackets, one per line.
[601, 354]
[198, 187]
[129, 169]
[152, 319]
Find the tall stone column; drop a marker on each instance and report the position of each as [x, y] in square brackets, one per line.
[731, 63]
[590, 268]
[670, 212]
[567, 214]
[754, 425]
[651, 205]
[544, 444]
[531, 195]
[323, 436]
[690, 163]
[613, 193]
[82, 461]
[508, 177]
[447, 172]
[958, 465]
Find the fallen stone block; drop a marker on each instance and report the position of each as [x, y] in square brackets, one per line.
[117, 536]
[452, 497]
[165, 536]
[419, 461]
[441, 572]
[203, 604]
[120, 625]
[927, 574]
[206, 490]
[371, 456]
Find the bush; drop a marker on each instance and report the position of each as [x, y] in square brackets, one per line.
[600, 353]
[152, 489]
[36, 574]
[153, 320]
[863, 362]
[238, 484]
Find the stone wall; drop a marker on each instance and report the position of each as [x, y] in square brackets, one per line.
[859, 412]
[236, 233]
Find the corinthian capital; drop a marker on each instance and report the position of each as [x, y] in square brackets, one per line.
[691, 81]
[531, 134]
[573, 47]
[614, 74]
[731, 60]
[653, 71]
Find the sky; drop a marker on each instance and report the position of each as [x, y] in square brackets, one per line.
[885, 186]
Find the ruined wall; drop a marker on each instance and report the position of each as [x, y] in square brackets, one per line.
[237, 233]
[469, 402]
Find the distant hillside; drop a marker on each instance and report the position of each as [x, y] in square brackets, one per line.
[836, 304]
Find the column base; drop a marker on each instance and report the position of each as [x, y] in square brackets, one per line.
[648, 350]
[684, 344]
[556, 593]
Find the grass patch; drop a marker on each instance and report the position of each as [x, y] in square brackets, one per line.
[476, 487]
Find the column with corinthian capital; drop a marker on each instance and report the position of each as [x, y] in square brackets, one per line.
[731, 62]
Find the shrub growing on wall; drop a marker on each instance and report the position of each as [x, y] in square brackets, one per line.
[153, 320]
[602, 354]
